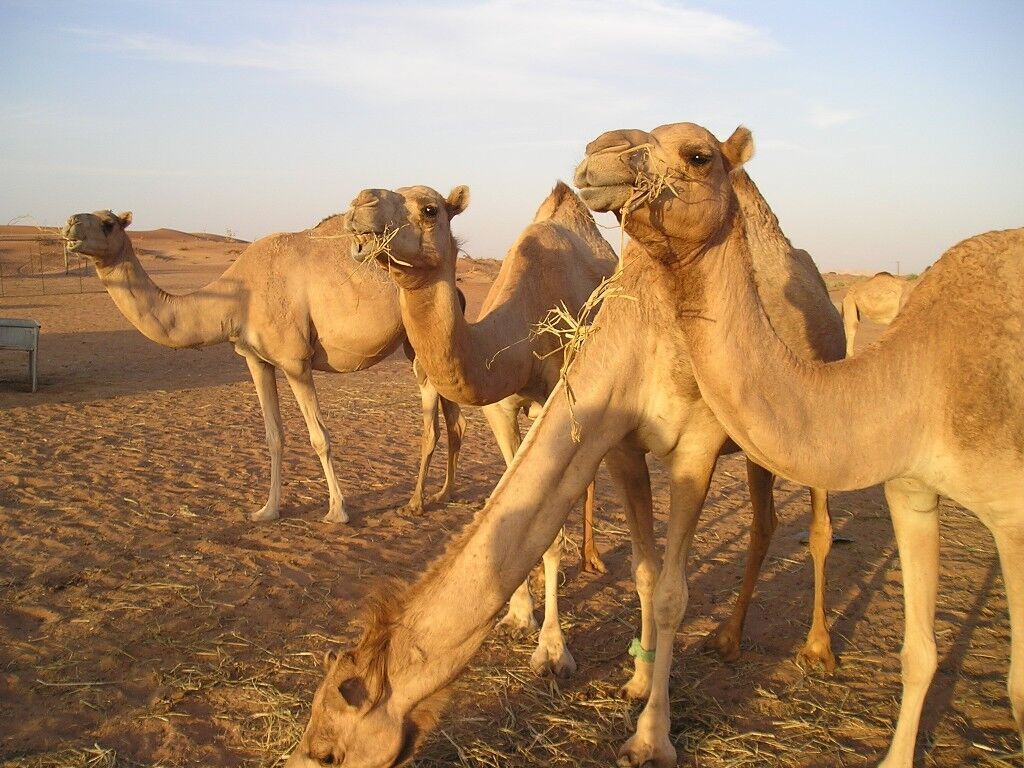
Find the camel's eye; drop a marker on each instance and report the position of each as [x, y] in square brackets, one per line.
[108, 226]
[430, 211]
[699, 158]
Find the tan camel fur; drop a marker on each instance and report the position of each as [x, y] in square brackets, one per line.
[933, 408]
[495, 362]
[879, 299]
[294, 302]
[634, 387]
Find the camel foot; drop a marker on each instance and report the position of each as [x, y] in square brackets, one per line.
[592, 563]
[413, 508]
[264, 515]
[725, 642]
[336, 515]
[639, 686]
[639, 752]
[440, 498]
[552, 659]
[517, 624]
[817, 655]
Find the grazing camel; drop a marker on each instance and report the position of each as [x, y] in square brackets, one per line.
[879, 299]
[634, 385]
[497, 362]
[288, 302]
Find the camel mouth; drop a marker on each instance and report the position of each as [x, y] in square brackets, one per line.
[73, 245]
[606, 197]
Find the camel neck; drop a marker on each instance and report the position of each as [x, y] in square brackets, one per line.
[197, 319]
[843, 425]
[446, 615]
[469, 363]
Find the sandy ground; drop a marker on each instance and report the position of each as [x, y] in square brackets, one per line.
[145, 621]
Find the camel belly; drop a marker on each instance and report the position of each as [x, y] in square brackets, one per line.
[338, 358]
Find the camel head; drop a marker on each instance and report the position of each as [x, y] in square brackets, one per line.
[408, 229]
[670, 187]
[362, 715]
[100, 235]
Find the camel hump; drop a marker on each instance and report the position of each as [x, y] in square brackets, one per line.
[563, 206]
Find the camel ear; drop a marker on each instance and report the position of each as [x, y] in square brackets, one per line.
[125, 219]
[329, 658]
[738, 148]
[457, 200]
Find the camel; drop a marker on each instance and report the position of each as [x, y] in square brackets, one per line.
[635, 391]
[933, 408]
[289, 302]
[495, 362]
[879, 298]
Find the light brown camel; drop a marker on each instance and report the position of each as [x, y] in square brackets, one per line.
[634, 385]
[495, 362]
[294, 302]
[879, 298]
[934, 408]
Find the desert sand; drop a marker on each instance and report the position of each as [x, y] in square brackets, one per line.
[145, 621]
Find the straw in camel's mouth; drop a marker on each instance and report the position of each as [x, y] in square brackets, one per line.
[376, 245]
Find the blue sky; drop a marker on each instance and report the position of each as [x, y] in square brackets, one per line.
[885, 131]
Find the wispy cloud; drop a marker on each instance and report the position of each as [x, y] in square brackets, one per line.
[828, 117]
[512, 50]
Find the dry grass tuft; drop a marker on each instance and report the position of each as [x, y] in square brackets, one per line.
[572, 331]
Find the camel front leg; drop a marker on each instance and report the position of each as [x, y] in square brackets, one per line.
[429, 400]
[726, 641]
[817, 649]
[691, 466]
[628, 467]
[915, 521]
[851, 319]
[455, 426]
[319, 438]
[266, 390]
[551, 655]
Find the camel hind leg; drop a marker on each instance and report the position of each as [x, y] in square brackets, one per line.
[266, 390]
[455, 425]
[503, 419]
[592, 562]
[429, 401]
[915, 521]
[319, 438]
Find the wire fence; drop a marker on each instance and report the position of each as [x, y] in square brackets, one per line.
[39, 264]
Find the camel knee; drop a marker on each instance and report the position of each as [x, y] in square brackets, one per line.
[645, 576]
[321, 441]
[919, 660]
[670, 597]
[275, 441]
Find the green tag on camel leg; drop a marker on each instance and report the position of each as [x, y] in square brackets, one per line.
[637, 651]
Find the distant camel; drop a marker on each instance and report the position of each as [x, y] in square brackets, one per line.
[294, 302]
[879, 299]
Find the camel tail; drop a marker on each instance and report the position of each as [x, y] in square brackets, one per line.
[564, 207]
